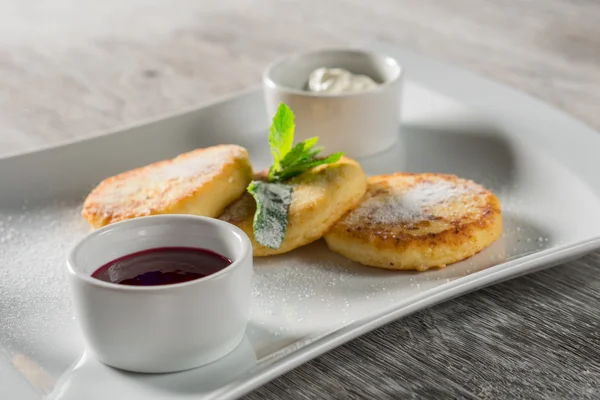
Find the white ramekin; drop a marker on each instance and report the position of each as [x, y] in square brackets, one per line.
[165, 328]
[361, 123]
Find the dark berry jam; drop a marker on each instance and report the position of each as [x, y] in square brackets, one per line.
[162, 266]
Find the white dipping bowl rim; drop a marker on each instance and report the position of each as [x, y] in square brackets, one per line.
[282, 62]
[246, 251]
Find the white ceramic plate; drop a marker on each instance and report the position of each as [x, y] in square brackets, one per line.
[540, 162]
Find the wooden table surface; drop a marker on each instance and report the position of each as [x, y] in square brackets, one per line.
[73, 68]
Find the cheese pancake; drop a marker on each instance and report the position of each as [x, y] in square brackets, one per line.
[320, 197]
[201, 182]
[417, 221]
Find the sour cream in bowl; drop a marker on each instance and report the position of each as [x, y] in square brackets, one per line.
[349, 98]
[338, 80]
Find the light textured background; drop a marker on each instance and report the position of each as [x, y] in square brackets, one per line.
[71, 68]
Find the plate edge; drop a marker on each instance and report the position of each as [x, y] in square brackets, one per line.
[335, 338]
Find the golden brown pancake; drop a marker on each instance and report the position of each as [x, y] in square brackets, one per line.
[201, 182]
[417, 221]
[320, 197]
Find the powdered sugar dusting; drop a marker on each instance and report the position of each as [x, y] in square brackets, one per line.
[158, 182]
[207, 161]
[400, 205]
[35, 304]
[297, 297]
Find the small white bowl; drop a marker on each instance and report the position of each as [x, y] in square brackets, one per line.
[166, 328]
[359, 123]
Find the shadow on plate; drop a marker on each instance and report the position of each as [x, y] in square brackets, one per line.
[520, 237]
[109, 382]
[266, 342]
[523, 236]
[478, 152]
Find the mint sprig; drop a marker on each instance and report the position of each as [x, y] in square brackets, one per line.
[274, 196]
[281, 135]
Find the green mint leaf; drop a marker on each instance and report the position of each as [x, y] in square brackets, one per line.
[300, 152]
[272, 206]
[299, 168]
[281, 135]
[272, 197]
